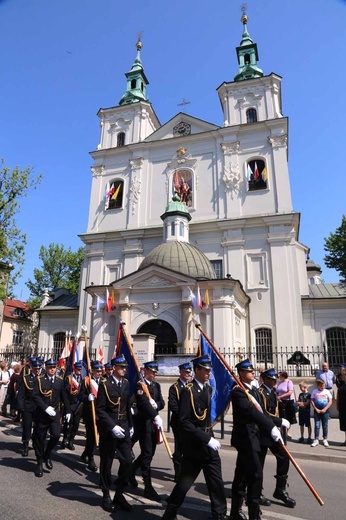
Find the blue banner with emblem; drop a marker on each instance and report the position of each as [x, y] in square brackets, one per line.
[220, 380]
[124, 348]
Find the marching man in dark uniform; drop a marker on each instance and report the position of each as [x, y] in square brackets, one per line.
[115, 423]
[25, 401]
[88, 394]
[248, 421]
[70, 429]
[270, 406]
[147, 424]
[48, 393]
[200, 448]
[174, 393]
[108, 368]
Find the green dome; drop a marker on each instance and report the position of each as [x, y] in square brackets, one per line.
[181, 257]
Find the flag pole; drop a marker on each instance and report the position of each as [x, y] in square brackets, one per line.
[144, 386]
[84, 330]
[239, 382]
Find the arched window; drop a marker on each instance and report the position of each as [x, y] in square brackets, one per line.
[257, 175]
[182, 185]
[121, 139]
[133, 83]
[264, 346]
[251, 115]
[247, 59]
[336, 345]
[166, 337]
[58, 344]
[172, 229]
[114, 195]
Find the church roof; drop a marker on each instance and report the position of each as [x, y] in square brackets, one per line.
[326, 291]
[63, 302]
[181, 257]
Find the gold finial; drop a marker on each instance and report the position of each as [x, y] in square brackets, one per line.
[244, 17]
[139, 43]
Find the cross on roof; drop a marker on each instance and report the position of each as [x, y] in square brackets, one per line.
[183, 103]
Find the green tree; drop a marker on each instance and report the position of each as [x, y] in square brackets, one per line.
[335, 245]
[60, 269]
[14, 185]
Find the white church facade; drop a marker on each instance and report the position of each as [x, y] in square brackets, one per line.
[190, 207]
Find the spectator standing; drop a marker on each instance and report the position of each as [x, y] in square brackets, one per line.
[285, 395]
[4, 381]
[341, 404]
[304, 401]
[12, 392]
[321, 400]
[327, 376]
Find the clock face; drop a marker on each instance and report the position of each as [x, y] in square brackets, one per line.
[182, 129]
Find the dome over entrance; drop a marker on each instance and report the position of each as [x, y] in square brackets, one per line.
[181, 257]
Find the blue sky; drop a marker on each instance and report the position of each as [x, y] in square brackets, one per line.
[62, 60]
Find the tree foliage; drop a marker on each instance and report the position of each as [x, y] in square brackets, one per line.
[14, 185]
[335, 245]
[60, 269]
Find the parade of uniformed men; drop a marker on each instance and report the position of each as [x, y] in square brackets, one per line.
[270, 406]
[70, 428]
[115, 424]
[25, 401]
[200, 448]
[48, 395]
[148, 424]
[249, 423]
[174, 394]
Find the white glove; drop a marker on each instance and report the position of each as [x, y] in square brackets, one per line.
[118, 432]
[276, 435]
[68, 417]
[153, 403]
[214, 444]
[159, 422]
[91, 397]
[132, 431]
[285, 423]
[50, 411]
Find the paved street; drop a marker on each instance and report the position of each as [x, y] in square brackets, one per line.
[71, 491]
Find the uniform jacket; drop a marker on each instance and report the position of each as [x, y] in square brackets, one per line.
[174, 394]
[25, 391]
[146, 412]
[248, 422]
[194, 418]
[113, 405]
[270, 406]
[73, 388]
[44, 394]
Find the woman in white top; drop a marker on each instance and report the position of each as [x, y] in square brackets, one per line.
[4, 380]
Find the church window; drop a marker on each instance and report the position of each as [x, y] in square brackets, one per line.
[182, 185]
[251, 115]
[247, 59]
[264, 346]
[181, 229]
[58, 344]
[257, 175]
[121, 139]
[114, 194]
[172, 229]
[133, 83]
[142, 86]
[217, 266]
[336, 345]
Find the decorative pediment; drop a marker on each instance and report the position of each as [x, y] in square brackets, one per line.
[154, 281]
[181, 125]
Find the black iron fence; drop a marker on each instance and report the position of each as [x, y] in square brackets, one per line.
[21, 354]
[296, 361]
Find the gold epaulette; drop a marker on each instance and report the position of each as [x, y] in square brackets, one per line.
[103, 379]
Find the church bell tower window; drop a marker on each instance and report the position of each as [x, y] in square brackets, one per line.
[114, 195]
[251, 115]
[257, 175]
[121, 139]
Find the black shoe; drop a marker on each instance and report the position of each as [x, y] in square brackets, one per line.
[62, 445]
[265, 501]
[282, 494]
[121, 501]
[39, 470]
[49, 464]
[70, 446]
[237, 516]
[92, 466]
[84, 458]
[150, 493]
[107, 504]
